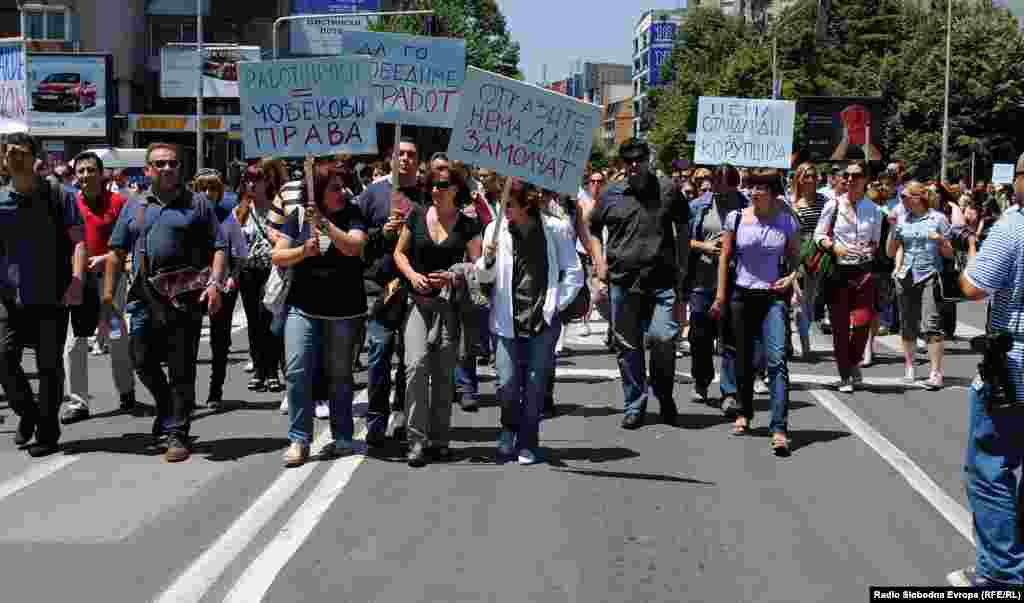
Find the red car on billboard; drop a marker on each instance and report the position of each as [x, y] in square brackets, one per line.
[64, 92]
[221, 68]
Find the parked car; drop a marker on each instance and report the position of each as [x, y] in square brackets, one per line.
[64, 92]
[221, 69]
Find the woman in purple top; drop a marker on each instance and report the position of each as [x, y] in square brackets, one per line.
[761, 239]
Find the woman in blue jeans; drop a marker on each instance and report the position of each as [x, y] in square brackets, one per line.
[761, 239]
[322, 319]
[536, 275]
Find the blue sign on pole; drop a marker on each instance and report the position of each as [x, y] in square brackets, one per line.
[658, 57]
[662, 33]
[316, 7]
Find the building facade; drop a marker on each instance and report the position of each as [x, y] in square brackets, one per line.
[653, 39]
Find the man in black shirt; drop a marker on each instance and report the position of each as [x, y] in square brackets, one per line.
[647, 237]
[385, 213]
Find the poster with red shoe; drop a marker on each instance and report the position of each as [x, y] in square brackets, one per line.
[841, 128]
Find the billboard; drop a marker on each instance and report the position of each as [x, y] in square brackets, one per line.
[322, 35]
[179, 70]
[840, 128]
[69, 95]
[662, 33]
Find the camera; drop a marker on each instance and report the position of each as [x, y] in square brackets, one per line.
[993, 369]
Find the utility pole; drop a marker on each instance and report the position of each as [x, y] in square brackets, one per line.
[945, 118]
[199, 90]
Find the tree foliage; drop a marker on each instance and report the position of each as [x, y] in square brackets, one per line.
[881, 48]
[489, 45]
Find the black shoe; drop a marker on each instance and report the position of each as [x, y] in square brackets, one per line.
[416, 457]
[43, 449]
[214, 399]
[633, 421]
[26, 429]
[439, 454]
[128, 402]
[467, 404]
[669, 415]
[74, 413]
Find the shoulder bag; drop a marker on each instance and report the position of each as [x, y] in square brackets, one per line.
[279, 283]
[815, 258]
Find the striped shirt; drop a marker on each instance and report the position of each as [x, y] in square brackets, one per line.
[809, 216]
[999, 271]
[290, 196]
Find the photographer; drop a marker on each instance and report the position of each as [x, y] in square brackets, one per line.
[995, 446]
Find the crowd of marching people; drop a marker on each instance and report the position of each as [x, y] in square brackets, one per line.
[434, 268]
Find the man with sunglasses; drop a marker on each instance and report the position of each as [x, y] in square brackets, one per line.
[42, 260]
[172, 234]
[648, 242]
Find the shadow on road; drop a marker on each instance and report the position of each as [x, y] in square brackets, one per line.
[639, 476]
[801, 438]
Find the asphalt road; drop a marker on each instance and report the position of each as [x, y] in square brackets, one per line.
[872, 495]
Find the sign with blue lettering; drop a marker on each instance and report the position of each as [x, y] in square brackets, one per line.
[13, 88]
[416, 80]
[299, 107]
[746, 132]
[524, 131]
[662, 33]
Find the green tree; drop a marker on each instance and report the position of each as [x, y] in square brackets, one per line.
[489, 44]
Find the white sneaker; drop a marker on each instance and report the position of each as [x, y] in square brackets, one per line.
[846, 386]
[760, 386]
[527, 457]
[284, 406]
[323, 410]
[250, 367]
[908, 377]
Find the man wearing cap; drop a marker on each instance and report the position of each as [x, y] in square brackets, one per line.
[648, 242]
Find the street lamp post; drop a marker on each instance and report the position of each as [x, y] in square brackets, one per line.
[199, 88]
[945, 117]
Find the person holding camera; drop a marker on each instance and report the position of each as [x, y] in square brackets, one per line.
[995, 444]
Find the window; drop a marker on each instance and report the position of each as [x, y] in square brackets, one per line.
[45, 22]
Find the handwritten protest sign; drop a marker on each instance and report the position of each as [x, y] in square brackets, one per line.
[298, 107]
[744, 132]
[416, 80]
[1002, 173]
[13, 89]
[524, 131]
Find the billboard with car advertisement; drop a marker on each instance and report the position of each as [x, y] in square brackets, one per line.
[69, 94]
[179, 68]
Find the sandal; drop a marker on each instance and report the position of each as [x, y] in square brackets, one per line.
[257, 385]
[742, 427]
[274, 385]
[780, 445]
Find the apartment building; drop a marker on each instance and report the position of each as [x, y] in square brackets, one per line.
[653, 39]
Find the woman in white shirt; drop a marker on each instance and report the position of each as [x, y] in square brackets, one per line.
[536, 275]
[851, 291]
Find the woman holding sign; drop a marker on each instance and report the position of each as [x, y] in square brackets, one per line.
[434, 239]
[319, 330]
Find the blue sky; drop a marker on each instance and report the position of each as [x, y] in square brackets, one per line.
[558, 32]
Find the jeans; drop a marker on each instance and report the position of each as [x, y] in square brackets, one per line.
[995, 450]
[84, 322]
[522, 366]
[703, 332]
[475, 328]
[430, 370]
[46, 328]
[752, 313]
[264, 345]
[311, 343]
[808, 303]
[639, 319]
[220, 341]
[383, 342]
[174, 342]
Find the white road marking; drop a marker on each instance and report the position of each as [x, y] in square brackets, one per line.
[950, 509]
[192, 585]
[254, 583]
[35, 473]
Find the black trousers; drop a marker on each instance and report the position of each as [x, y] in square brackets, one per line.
[265, 348]
[45, 328]
[220, 341]
[176, 343]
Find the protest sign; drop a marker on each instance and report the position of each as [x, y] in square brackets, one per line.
[1002, 173]
[524, 131]
[416, 80]
[744, 132]
[13, 88]
[298, 107]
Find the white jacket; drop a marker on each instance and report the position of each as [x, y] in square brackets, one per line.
[565, 275]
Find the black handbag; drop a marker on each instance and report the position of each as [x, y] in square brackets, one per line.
[391, 305]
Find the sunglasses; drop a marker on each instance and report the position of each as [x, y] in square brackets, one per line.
[852, 175]
[164, 163]
[596, 180]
